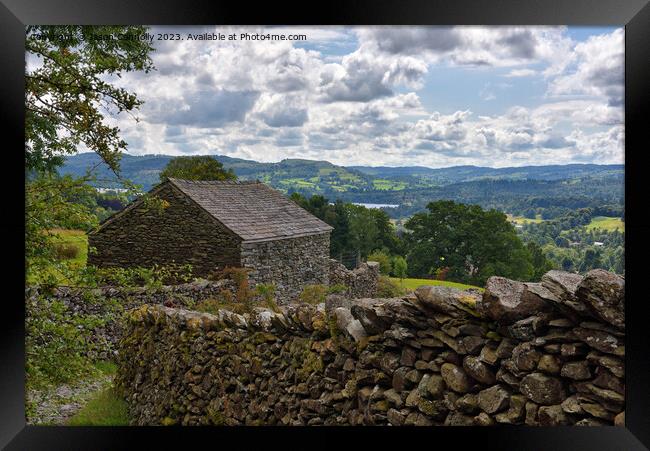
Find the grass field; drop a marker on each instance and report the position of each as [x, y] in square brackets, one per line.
[606, 223]
[77, 238]
[522, 220]
[412, 284]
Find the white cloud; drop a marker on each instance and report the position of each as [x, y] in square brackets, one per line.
[365, 102]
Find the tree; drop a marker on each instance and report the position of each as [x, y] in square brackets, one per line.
[68, 90]
[68, 94]
[400, 267]
[202, 167]
[475, 244]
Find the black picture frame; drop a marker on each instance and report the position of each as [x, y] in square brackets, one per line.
[633, 14]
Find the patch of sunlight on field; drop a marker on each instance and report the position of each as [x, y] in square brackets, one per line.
[606, 223]
[412, 284]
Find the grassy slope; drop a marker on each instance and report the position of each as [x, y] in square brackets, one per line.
[412, 284]
[77, 238]
[104, 409]
[606, 223]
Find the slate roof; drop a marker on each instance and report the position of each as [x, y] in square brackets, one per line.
[252, 210]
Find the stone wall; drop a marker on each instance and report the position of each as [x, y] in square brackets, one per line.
[537, 354]
[182, 233]
[361, 282]
[290, 264]
[107, 304]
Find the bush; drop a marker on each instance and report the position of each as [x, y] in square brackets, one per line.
[313, 294]
[383, 259]
[400, 267]
[66, 251]
[386, 288]
[57, 342]
[337, 288]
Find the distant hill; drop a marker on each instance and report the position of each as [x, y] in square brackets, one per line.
[312, 176]
[550, 190]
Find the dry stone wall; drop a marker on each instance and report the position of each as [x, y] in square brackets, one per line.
[536, 354]
[360, 282]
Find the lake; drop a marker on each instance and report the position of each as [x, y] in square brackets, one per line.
[376, 205]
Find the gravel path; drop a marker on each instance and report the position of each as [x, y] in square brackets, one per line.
[55, 405]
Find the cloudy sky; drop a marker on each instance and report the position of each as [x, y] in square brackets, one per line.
[396, 96]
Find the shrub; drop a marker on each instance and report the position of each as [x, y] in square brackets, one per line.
[66, 251]
[337, 288]
[386, 288]
[313, 294]
[267, 292]
[383, 259]
[57, 342]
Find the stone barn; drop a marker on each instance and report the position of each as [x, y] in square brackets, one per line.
[215, 224]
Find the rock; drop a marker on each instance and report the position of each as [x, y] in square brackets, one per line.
[483, 419]
[473, 345]
[435, 409]
[504, 350]
[370, 316]
[606, 379]
[531, 414]
[417, 419]
[413, 398]
[468, 404]
[459, 419]
[562, 287]
[399, 379]
[552, 416]
[409, 356]
[395, 417]
[478, 370]
[388, 363]
[604, 293]
[393, 398]
[489, 354]
[549, 364]
[601, 341]
[348, 324]
[576, 370]
[515, 413]
[413, 377]
[571, 405]
[573, 349]
[435, 386]
[525, 357]
[508, 378]
[493, 399]
[613, 364]
[450, 301]
[591, 422]
[601, 394]
[507, 301]
[455, 378]
[542, 389]
[619, 420]
[596, 410]
[528, 328]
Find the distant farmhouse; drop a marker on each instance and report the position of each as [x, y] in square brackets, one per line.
[215, 224]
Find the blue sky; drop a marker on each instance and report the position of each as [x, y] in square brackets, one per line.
[399, 96]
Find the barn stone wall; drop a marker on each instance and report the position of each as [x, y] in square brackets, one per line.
[290, 264]
[539, 354]
[182, 233]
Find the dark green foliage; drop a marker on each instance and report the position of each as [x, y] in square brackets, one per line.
[386, 288]
[473, 243]
[200, 167]
[69, 91]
